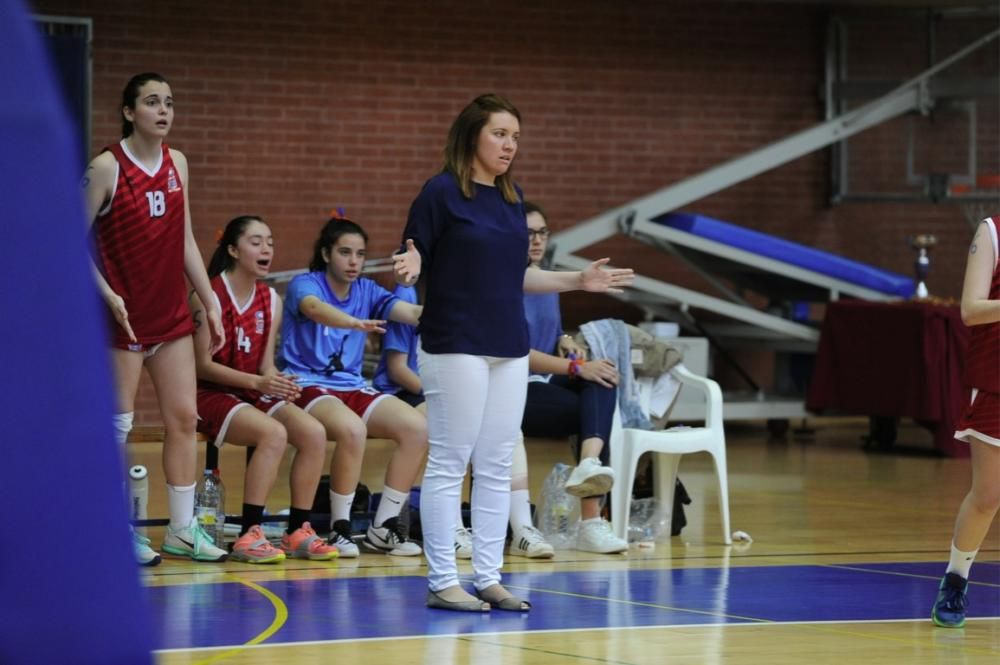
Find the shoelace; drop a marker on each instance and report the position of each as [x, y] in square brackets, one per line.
[339, 538]
[397, 530]
[341, 533]
[955, 600]
[199, 536]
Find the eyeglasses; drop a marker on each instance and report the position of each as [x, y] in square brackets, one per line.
[538, 233]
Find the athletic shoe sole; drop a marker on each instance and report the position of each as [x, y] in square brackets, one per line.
[596, 484]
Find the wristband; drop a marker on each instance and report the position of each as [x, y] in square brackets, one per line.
[574, 367]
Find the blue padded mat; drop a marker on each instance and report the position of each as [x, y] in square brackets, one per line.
[808, 258]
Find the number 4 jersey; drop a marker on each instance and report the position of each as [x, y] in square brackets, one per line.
[247, 327]
[140, 247]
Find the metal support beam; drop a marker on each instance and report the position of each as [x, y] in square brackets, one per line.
[910, 96]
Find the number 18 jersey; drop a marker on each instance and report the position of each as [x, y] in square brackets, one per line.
[140, 247]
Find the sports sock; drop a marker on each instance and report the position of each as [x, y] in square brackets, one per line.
[251, 515]
[296, 518]
[520, 510]
[960, 562]
[390, 505]
[340, 506]
[180, 504]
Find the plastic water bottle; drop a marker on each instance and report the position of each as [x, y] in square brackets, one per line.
[209, 506]
[559, 509]
[138, 491]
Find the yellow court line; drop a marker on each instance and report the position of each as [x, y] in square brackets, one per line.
[280, 617]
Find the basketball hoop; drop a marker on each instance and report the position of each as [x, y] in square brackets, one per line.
[980, 201]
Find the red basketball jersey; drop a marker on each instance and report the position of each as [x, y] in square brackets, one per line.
[982, 368]
[140, 246]
[247, 327]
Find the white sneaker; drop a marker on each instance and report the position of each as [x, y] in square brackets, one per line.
[192, 541]
[144, 554]
[463, 543]
[340, 537]
[529, 542]
[595, 535]
[391, 539]
[590, 478]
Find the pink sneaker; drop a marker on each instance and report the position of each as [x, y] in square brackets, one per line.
[253, 547]
[303, 543]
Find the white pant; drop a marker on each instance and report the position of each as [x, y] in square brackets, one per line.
[474, 410]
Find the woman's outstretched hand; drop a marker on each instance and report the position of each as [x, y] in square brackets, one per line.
[596, 278]
[406, 265]
[370, 325]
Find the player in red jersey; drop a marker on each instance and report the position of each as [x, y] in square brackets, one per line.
[979, 424]
[135, 199]
[242, 374]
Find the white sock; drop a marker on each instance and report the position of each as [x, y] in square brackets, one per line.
[340, 506]
[122, 423]
[180, 503]
[961, 562]
[519, 462]
[390, 505]
[520, 510]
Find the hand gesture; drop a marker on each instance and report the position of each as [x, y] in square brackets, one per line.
[369, 325]
[598, 279]
[406, 265]
[216, 330]
[602, 372]
[280, 385]
[117, 305]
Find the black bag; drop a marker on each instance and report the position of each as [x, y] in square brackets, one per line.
[678, 520]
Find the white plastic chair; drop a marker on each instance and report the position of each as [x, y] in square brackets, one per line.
[628, 444]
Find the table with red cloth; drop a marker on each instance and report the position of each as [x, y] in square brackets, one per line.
[892, 360]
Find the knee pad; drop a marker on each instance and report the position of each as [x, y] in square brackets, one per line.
[123, 425]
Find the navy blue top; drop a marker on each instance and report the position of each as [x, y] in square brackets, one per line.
[474, 254]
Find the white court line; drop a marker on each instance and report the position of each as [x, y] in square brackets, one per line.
[470, 635]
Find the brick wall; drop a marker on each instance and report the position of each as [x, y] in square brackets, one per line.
[289, 109]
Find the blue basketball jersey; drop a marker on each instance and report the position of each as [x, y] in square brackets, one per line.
[398, 337]
[325, 356]
[544, 323]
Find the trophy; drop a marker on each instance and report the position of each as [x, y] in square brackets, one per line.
[922, 243]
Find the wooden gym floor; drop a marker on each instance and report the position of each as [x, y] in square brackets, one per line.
[847, 551]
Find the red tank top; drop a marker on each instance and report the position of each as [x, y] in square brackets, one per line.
[982, 369]
[246, 327]
[140, 247]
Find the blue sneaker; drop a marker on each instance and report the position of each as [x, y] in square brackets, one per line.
[949, 608]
